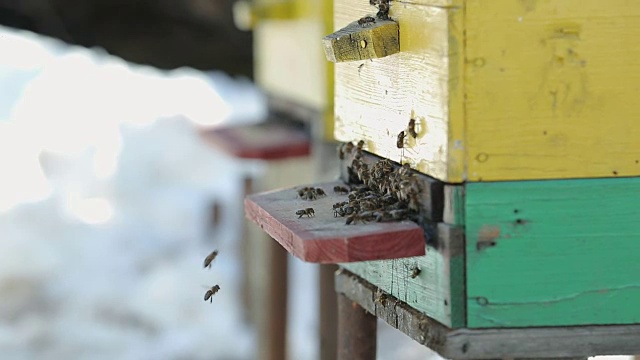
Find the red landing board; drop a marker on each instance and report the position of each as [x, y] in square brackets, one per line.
[324, 238]
[266, 141]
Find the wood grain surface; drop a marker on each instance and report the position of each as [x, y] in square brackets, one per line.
[375, 99]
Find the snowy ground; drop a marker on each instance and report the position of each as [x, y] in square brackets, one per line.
[105, 191]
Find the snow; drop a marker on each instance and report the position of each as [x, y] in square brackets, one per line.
[105, 197]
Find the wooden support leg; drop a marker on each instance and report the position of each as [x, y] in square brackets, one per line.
[273, 329]
[356, 331]
[246, 259]
[328, 312]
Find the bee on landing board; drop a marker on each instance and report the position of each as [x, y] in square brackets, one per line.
[308, 211]
[209, 294]
[340, 190]
[367, 20]
[209, 259]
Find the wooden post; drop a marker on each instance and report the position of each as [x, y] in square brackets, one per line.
[272, 343]
[356, 331]
[245, 258]
[328, 312]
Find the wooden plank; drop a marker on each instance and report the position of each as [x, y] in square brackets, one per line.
[549, 342]
[437, 289]
[324, 238]
[266, 141]
[375, 99]
[575, 65]
[364, 39]
[552, 253]
[356, 331]
[453, 205]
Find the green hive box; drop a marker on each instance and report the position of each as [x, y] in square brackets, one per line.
[526, 254]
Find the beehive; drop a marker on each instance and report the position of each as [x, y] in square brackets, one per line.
[525, 109]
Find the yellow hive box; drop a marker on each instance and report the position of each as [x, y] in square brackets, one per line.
[289, 64]
[500, 89]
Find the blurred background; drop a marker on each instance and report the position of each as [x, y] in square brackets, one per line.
[110, 199]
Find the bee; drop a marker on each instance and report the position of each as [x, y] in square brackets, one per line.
[367, 20]
[308, 211]
[383, 8]
[348, 147]
[415, 271]
[340, 190]
[209, 259]
[340, 150]
[360, 145]
[209, 294]
[302, 192]
[356, 217]
[412, 128]
[381, 297]
[309, 193]
[400, 141]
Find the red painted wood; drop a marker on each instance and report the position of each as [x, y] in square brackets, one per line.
[326, 239]
[266, 141]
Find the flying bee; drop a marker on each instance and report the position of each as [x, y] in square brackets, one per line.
[367, 20]
[412, 128]
[209, 259]
[400, 141]
[308, 211]
[209, 294]
[340, 190]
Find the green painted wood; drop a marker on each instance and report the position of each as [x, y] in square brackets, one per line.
[438, 290]
[553, 253]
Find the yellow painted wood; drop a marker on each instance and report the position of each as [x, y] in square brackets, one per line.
[362, 41]
[375, 99]
[502, 90]
[247, 14]
[551, 89]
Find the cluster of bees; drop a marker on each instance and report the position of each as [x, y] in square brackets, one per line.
[383, 13]
[207, 264]
[380, 192]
